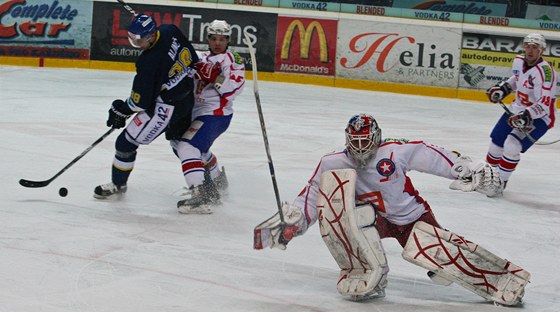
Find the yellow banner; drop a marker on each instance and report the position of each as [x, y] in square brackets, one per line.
[487, 58]
[492, 58]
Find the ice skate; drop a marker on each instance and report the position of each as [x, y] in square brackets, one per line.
[109, 190]
[220, 181]
[202, 198]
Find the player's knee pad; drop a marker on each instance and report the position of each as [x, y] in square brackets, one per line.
[187, 151]
[512, 148]
[124, 145]
[125, 150]
[495, 150]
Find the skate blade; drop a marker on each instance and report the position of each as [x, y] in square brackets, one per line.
[202, 209]
[111, 197]
[371, 296]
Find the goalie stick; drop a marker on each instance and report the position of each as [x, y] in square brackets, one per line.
[263, 127]
[510, 113]
[29, 183]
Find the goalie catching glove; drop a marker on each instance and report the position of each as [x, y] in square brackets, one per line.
[476, 176]
[274, 233]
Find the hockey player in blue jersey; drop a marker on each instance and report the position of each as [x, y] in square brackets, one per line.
[161, 99]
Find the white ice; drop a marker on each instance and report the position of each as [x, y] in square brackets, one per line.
[138, 254]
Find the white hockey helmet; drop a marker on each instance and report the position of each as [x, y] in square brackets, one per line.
[535, 38]
[363, 137]
[219, 27]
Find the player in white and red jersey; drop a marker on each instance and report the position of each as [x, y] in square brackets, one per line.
[534, 107]
[382, 180]
[220, 78]
[362, 194]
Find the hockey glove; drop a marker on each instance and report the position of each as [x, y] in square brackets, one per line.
[498, 92]
[118, 113]
[274, 233]
[521, 121]
[207, 71]
[476, 176]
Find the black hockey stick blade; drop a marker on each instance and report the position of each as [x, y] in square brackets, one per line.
[29, 183]
[34, 184]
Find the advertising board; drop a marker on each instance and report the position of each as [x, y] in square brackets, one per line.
[486, 59]
[45, 29]
[306, 45]
[110, 23]
[402, 53]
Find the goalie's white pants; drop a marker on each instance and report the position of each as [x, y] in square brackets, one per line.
[352, 239]
[456, 259]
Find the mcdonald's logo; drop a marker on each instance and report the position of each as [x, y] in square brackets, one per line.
[305, 36]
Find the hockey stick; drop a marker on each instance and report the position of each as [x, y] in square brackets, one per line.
[263, 128]
[127, 7]
[510, 113]
[28, 183]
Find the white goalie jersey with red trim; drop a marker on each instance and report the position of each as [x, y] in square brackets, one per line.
[384, 181]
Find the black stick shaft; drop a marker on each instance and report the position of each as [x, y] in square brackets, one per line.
[127, 7]
[29, 183]
[263, 127]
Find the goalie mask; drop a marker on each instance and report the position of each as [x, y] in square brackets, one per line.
[363, 137]
[140, 31]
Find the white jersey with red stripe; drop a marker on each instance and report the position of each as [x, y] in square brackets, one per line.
[383, 181]
[217, 99]
[535, 89]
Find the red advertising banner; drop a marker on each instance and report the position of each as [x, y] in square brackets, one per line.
[306, 46]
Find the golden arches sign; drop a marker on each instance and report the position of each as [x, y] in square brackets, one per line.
[305, 35]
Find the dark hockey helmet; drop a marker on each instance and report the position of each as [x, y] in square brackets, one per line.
[363, 137]
[141, 27]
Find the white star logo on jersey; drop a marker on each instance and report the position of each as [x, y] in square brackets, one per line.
[385, 167]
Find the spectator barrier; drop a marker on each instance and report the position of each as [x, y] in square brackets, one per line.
[362, 51]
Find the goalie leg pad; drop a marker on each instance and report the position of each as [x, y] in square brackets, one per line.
[352, 239]
[456, 259]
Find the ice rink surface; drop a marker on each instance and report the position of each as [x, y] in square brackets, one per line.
[138, 254]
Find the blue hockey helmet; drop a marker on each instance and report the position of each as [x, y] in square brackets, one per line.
[141, 27]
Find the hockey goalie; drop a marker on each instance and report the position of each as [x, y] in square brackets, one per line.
[362, 194]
